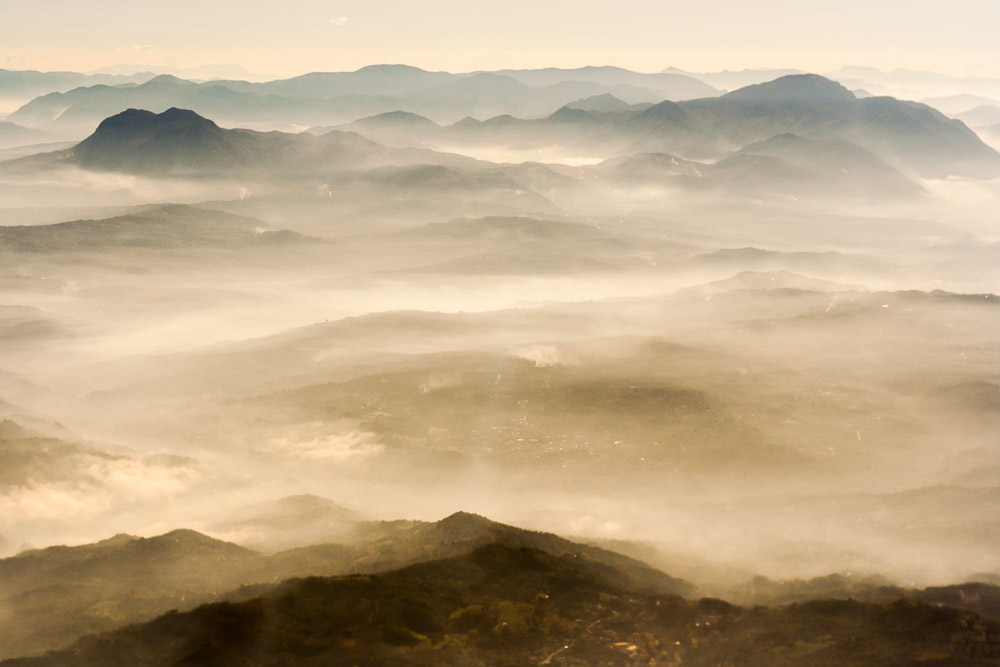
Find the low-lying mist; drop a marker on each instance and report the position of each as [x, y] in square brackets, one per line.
[787, 385]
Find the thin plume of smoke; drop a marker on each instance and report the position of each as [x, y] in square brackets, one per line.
[339, 21]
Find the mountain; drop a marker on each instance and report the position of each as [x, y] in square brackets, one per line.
[12, 134]
[768, 280]
[140, 141]
[955, 105]
[290, 522]
[77, 112]
[24, 324]
[29, 459]
[65, 592]
[26, 84]
[391, 544]
[786, 164]
[181, 558]
[392, 128]
[504, 606]
[180, 142]
[393, 120]
[830, 165]
[52, 596]
[605, 102]
[732, 79]
[671, 86]
[389, 80]
[508, 245]
[984, 599]
[158, 227]
[906, 135]
[913, 135]
[794, 89]
[327, 98]
[981, 116]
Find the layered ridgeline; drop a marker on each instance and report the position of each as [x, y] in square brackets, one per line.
[154, 228]
[519, 605]
[906, 134]
[795, 126]
[51, 596]
[181, 143]
[336, 97]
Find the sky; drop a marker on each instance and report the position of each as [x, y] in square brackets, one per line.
[949, 36]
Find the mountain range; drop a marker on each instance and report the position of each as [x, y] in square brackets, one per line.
[799, 133]
[51, 596]
[502, 605]
[907, 135]
[325, 98]
[182, 143]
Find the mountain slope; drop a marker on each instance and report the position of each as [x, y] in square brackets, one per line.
[501, 605]
[180, 142]
[51, 596]
[912, 136]
[796, 165]
[12, 134]
[160, 227]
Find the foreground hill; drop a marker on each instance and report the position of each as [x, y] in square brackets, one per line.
[501, 605]
[384, 545]
[51, 596]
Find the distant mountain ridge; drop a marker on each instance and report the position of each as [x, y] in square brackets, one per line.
[904, 134]
[327, 98]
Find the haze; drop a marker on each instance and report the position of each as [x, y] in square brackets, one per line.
[736, 317]
[643, 35]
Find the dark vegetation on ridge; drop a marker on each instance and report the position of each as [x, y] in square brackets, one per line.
[511, 606]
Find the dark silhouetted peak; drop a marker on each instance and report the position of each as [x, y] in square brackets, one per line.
[137, 121]
[796, 88]
[141, 141]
